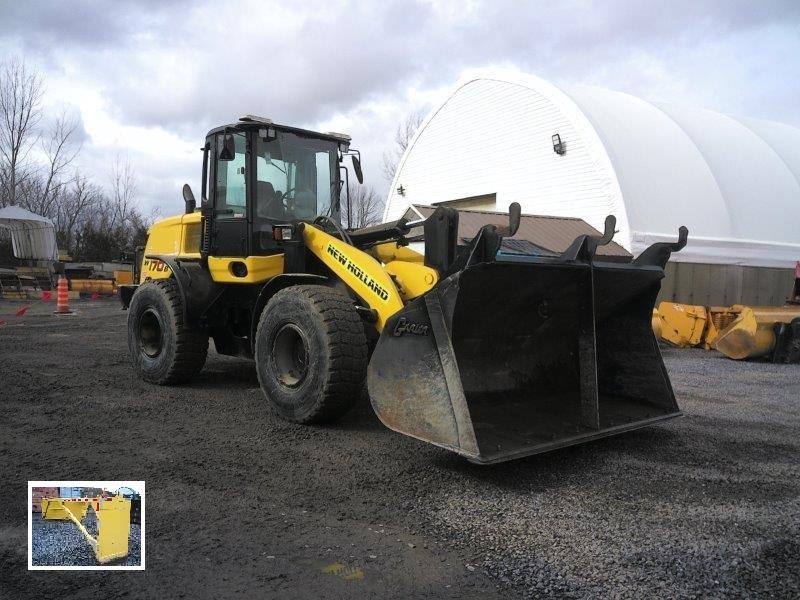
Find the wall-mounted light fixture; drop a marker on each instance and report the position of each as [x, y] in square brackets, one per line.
[401, 190]
[558, 146]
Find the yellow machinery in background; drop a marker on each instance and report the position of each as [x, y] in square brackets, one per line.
[738, 331]
[123, 277]
[102, 286]
[93, 286]
[113, 522]
[682, 325]
[758, 330]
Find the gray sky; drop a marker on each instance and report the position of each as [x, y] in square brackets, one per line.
[149, 78]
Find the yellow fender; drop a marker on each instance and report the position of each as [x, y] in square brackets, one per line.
[173, 236]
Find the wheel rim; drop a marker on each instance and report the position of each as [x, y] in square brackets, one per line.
[151, 333]
[290, 356]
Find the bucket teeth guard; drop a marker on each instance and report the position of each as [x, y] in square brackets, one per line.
[504, 359]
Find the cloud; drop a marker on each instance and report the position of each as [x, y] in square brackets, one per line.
[150, 78]
[49, 25]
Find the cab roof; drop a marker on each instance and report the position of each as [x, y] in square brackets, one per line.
[250, 123]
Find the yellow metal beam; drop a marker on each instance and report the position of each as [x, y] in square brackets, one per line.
[391, 251]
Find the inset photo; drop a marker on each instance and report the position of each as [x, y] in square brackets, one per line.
[86, 525]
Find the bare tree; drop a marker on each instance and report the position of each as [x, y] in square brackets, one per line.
[41, 194]
[402, 137]
[123, 192]
[60, 152]
[75, 209]
[366, 206]
[91, 223]
[21, 92]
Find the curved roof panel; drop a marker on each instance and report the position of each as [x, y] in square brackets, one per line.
[735, 182]
[660, 170]
[783, 139]
[761, 194]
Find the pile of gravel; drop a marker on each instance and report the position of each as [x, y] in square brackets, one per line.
[703, 506]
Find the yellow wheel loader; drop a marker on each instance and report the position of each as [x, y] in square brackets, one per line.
[491, 356]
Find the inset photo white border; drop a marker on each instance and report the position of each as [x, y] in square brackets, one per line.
[137, 486]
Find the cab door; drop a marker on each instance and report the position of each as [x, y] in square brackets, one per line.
[229, 235]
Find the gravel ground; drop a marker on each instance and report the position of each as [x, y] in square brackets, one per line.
[59, 543]
[243, 505]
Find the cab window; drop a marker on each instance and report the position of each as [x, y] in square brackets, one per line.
[231, 194]
[296, 177]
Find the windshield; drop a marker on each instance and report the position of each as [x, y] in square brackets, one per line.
[296, 177]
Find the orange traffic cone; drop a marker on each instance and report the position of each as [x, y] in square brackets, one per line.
[62, 302]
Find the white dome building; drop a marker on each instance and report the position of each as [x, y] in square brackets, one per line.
[734, 182]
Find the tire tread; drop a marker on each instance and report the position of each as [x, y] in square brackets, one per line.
[347, 348]
[191, 345]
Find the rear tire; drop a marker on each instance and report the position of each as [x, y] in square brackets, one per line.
[311, 353]
[164, 350]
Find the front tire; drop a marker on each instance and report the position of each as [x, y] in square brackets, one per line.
[164, 349]
[311, 353]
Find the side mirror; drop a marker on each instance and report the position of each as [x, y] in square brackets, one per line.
[357, 169]
[228, 151]
[188, 198]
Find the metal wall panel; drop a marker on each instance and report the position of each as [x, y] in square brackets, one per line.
[724, 285]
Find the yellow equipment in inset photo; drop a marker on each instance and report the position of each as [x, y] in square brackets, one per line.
[113, 522]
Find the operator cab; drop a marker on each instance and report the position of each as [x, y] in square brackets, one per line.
[257, 174]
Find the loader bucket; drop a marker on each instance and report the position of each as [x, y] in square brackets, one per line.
[515, 357]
